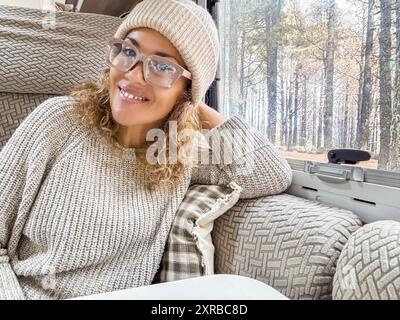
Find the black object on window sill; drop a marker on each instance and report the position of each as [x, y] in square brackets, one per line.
[348, 156]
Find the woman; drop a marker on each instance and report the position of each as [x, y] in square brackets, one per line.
[84, 208]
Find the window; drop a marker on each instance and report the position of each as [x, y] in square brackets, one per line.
[314, 75]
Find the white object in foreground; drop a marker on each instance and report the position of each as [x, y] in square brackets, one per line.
[212, 287]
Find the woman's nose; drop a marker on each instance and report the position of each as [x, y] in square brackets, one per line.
[137, 73]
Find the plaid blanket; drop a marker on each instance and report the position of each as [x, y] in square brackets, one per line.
[189, 250]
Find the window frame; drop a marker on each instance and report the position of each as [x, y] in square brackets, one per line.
[372, 177]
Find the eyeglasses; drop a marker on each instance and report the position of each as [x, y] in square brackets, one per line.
[158, 71]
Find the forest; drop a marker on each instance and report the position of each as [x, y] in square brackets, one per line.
[314, 75]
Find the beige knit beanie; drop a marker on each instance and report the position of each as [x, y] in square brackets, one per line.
[190, 28]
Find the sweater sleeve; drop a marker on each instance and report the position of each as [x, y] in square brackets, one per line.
[23, 162]
[242, 154]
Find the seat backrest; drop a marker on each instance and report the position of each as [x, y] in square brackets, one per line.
[43, 54]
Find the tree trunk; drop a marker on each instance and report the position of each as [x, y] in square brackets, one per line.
[272, 15]
[365, 108]
[233, 51]
[329, 67]
[385, 91]
[353, 142]
[321, 116]
[296, 108]
[242, 76]
[314, 117]
[283, 116]
[290, 119]
[287, 112]
[223, 87]
[303, 135]
[395, 143]
[262, 121]
[245, 108]
[346, 119]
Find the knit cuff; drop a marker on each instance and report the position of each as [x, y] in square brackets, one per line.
[232, 140]
[10, 289]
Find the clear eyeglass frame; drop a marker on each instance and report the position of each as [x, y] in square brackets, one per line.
[166, 81]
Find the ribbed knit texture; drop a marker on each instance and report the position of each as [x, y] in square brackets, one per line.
[190, 28]
[75, 220]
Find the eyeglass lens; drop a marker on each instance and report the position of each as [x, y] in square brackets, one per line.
[157, 71]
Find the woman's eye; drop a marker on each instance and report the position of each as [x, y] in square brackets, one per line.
[129, 52]
[163, 67]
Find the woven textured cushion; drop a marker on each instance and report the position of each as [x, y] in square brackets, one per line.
[14, 108]
[189, 251]
[289, 243]
[369, 265]
[36, 57]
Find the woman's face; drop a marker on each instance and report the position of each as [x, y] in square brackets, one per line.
[159, 102]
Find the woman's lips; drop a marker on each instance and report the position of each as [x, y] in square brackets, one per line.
[129, 98]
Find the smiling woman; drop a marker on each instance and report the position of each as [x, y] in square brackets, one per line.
[149, 86]
[137, 116]
[137, 94]
[82, 209]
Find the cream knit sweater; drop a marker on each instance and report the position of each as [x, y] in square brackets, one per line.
[75, 220]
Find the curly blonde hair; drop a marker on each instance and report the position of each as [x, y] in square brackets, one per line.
[92, 103]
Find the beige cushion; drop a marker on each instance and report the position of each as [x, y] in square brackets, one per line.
[290, 243]
[14, 108]
[36, 57]
[369, 265]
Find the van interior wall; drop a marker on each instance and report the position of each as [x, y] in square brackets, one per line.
[109, 7]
